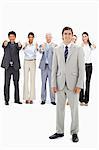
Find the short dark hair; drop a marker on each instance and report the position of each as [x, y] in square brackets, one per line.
[31, 33]
[67, 28]
[12, 32]
[75, 35]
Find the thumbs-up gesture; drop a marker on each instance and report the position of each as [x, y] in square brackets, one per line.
[19, 44]
[43, 46]
[5, 43]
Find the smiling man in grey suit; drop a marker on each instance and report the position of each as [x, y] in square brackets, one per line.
[67, 81]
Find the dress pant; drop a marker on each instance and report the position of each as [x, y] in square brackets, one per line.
[29, 83]
[46, 74]
[73, 99]
[84, 97]
[15, 73]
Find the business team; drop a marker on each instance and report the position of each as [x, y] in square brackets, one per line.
[11, 63]
[62, 65]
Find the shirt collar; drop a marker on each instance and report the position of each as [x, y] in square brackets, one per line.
[49, 43]
[30, 44]
[11, 42]
[69, 45]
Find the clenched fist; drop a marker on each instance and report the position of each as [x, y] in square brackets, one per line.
[5, 43]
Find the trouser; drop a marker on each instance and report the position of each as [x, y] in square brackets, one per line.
[15, 73]
[29, 85]
[44, 75]
[85, 97]
[73, 99]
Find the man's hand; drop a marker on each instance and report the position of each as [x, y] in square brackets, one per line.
[43, 46]
[54, 89]
[5, 43]
[19, 44]
[77, 90]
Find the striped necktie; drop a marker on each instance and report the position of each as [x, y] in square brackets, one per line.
[66, 53]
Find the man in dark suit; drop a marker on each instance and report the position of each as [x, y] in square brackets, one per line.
[11, 63]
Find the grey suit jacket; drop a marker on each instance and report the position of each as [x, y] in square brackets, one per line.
[71, 72]
[50, 56]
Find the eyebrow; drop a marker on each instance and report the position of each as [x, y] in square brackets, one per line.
[67, 33]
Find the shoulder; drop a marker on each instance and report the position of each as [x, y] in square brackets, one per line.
[78, 47]
[57, 48]
[16, 43]
[53, 44]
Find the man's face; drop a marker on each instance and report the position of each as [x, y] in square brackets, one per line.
[67, 36]
[48, 38]
[12, 38]
[74, 39]
[31, 38]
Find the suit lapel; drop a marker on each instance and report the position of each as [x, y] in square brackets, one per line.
[62, 52]
[69, 54]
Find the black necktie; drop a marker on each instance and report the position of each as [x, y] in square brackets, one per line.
[66, 53]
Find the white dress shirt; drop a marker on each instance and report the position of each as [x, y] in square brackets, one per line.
[30, 52]
[69, 45]
[87, 51]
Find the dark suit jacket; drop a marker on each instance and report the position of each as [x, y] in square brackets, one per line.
[8, 50]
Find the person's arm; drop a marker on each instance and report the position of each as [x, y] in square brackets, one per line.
[5, 43]
[24, 45]
[36, 47]
[41, 48]
[19, 46]
[93, 46]
[54, 88]
[81, 68]
[54, 45]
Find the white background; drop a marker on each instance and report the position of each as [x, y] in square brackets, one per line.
[29, 126]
